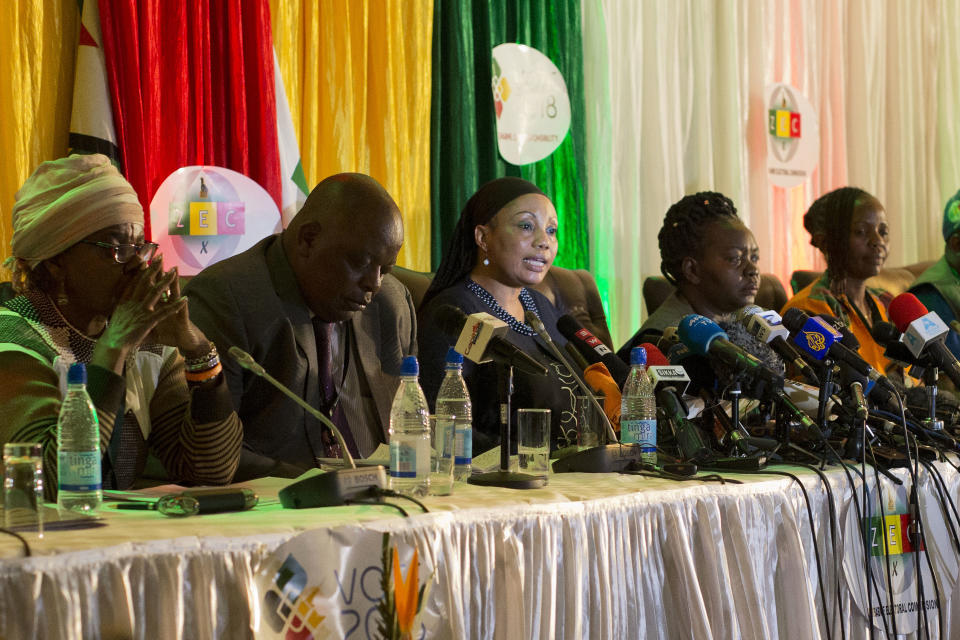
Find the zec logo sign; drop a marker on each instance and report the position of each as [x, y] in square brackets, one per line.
[793, 136]
[201, 215]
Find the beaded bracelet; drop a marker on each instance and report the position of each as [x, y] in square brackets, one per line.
[203, 376]
[204, 362]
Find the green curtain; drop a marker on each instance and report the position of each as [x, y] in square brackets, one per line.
[463, 142]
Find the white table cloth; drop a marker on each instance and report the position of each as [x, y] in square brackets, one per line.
[598, 556]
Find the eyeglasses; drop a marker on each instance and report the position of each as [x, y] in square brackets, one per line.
[123, 253]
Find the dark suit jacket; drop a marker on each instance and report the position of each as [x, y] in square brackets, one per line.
[253, 301]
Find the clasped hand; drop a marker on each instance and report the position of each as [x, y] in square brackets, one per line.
[149, 309]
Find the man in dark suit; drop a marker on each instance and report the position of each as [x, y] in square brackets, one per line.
[317, 307]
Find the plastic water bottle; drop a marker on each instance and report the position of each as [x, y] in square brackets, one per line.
[454, 400]
[638, 408]
[410, 434]
[79, 480]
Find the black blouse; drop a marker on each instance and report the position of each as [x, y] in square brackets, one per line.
[556, 391]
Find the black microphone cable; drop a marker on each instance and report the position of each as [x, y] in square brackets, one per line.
[883, 534]
[913, 467]
[390, 493]
[813, 535]
[23, 541]
[377, 494]
[834, 521]
[933, 575]
[379, 503]
[921, 537]
[871, 580]
[945, 499]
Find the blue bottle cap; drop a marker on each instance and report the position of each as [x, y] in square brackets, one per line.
[638, 355]
[410, 367]
[454, 357]
[77, 373]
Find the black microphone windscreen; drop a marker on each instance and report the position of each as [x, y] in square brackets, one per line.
[848, 339]
[696, 366]
[739, 336]
[885, 333]
[567, 325]
[450, 319]
[793, 319]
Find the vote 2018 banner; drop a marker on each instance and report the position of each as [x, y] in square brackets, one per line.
[332, 584]
[201, 215]
[531, 102]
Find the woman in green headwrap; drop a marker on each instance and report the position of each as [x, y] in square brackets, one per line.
[91, 291]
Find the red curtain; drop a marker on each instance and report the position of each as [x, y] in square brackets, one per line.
[191, 83]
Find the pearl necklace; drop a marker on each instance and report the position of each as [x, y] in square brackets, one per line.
[526, 300]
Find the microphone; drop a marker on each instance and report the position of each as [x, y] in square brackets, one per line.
[924, 333]
[246, 361]
[480, 339]
[856, 390]
[327, 489]
[816, 337]
[597, 376]
[534, 321]
[577, 358]
[592, 348]
[705, 337]
[669, 382]
[887, 335]
[702, 335]
[662, 373]
[767, 326]
[847, 338]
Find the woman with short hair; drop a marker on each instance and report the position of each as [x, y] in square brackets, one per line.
[709, 256]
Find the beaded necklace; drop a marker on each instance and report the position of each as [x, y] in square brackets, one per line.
[526, 300]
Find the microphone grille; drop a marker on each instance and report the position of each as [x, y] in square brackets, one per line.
[745, 312]
[904, 309]
[885, 333]
[739, 336]
[533, 320]
[655, 357]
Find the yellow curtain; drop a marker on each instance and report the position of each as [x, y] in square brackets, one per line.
[37, 53]
[357, 76]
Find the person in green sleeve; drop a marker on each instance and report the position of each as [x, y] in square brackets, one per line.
[938, 288]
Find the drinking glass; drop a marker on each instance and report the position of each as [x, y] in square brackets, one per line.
[533, 441]
[591, 429]
[23, 486]
[442, 436]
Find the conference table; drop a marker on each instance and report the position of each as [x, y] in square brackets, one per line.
[589, 555]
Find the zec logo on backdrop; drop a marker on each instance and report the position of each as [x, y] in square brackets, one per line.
[201, 215]
[793, 136]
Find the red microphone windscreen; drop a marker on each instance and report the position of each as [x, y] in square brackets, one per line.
[655, 357]
[904, 309]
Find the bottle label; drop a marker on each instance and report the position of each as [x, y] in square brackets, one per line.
[79, 471]
[642, 432]
[463, 446]
[403, 460]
